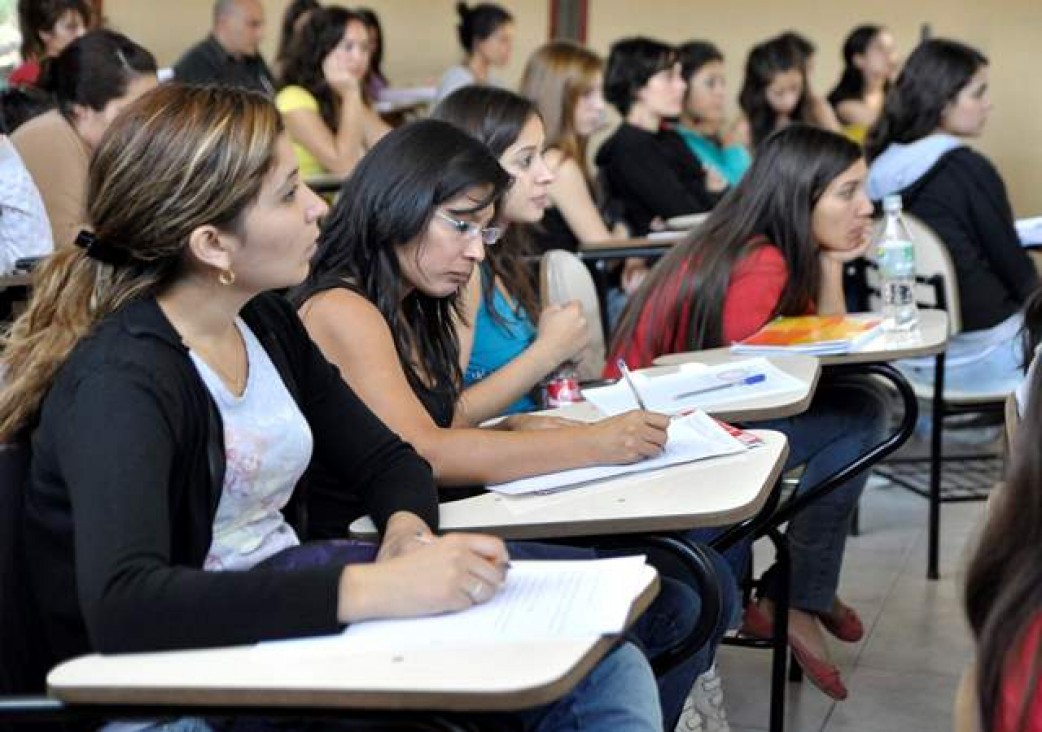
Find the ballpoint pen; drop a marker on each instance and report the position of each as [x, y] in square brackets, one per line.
[753, 379]
[624, 370]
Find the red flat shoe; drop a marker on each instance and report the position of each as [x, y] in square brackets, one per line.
[845, 625]
[822, 674]
[755, 622]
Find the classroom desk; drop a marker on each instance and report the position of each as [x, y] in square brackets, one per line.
[687, 221]
[284, 678]
[711, 492]
[325, 183]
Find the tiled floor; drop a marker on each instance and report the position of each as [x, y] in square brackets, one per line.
[903, 674]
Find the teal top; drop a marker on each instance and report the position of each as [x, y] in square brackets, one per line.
[497, 343]
[731, 161]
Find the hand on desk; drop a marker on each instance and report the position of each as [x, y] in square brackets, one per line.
[626, 438]
[441, 574]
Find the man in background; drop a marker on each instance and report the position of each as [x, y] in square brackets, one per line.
[230, 56]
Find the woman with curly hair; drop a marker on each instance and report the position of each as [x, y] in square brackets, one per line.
[322, 97]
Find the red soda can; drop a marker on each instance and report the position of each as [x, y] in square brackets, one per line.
[562, 387]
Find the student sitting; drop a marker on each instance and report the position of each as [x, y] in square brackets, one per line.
[230, 56]
[322, 96]
[1003, 595]
[918, 150]
[648, 170]
[24, 229]
[174, 406]
[869, 63]
[406, 230]
[91, 81]
[776, 245]
[47, 27]
[565, 82]
[703, 119]
[774, 93]
[486, 33]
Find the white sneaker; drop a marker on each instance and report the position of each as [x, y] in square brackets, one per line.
[704, 707]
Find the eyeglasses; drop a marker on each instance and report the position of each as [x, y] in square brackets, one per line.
[489, 235]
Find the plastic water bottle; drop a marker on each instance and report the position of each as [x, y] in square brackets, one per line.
[895, 255]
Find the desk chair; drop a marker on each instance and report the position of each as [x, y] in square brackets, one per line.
[23, 672]
[935, 273]
[563, 277]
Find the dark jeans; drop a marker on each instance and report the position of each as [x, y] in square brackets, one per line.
[848, 416]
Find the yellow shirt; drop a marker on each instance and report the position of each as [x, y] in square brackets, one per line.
[291, 99]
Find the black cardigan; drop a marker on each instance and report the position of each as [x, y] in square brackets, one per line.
[652, 175]
[963, 199]
[127, 471]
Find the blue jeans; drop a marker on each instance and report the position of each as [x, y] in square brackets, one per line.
[847, 417]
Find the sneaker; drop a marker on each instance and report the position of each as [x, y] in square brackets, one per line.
[704, 707]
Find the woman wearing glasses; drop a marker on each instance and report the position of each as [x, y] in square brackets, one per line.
[409, 228]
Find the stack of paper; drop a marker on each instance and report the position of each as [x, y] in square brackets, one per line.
[818, 335]
[695, 385]
[540, 600]
[1030, 231]
[695, 436]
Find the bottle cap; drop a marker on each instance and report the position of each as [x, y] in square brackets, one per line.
[892, 203]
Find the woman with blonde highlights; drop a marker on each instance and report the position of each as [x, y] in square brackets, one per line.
[174, 405]
[564, 81]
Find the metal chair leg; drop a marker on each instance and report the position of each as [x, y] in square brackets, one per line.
[936, 456]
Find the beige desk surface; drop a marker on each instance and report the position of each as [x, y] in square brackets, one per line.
[712, 492]
[931, 339]
[805, 368]
[686, 222]
[16, 279]
[320, 675]
[660, 242]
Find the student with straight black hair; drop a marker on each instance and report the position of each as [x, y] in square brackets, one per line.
[776, 245]
[322, 95]
[869, 64]
[918, 150]
[91, 80]
[486, 33]
[47, 27]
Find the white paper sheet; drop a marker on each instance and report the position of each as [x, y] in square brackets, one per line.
[695, 436]
[660, 391]
[1030, 231]
[540, 600]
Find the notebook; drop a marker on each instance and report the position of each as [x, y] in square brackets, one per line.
[817, 335]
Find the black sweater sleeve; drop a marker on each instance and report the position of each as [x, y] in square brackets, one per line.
[117, 453]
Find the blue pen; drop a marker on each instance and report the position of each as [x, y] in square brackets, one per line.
[754, 379]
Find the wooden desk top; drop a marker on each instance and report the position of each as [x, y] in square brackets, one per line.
[664, 241]
[16, 279]
[687, 221]
[325, 675]
[931, 339]
[774, 406]
[713, 492]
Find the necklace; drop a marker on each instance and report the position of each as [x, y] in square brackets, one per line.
[235, 378]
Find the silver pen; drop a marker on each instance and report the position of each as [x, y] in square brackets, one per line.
[624, 370]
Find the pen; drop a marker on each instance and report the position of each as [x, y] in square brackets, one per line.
[754, 379]
[624, 370]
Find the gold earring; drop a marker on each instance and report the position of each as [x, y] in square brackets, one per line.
[226, 277]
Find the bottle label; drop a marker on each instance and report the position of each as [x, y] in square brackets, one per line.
[896, 258]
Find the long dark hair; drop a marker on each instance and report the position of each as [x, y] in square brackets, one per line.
[288, 29]
[496, 118]
[774, 201]
[387, 202]
[1004, 579]
[932, 77]
[851, 84]
[320, 34]
[376, 59]
[765, 61]
[37, 16]
[94, 69]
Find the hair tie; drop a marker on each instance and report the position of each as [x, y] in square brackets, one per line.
[100, 251]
